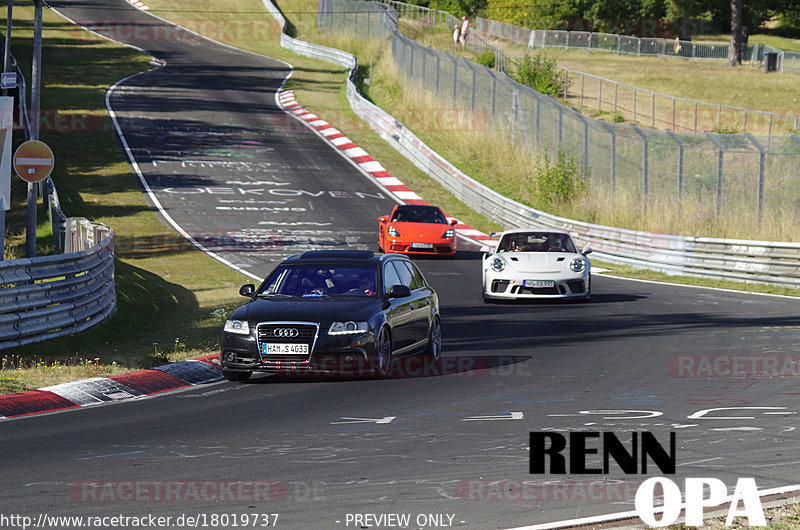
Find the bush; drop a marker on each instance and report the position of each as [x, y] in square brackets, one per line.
[541, 74]
[486, 59]
[617, 117]
[560, 182]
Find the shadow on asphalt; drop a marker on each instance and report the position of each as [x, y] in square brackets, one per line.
[408, 368]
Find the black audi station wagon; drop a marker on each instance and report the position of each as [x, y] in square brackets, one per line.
[333, 311]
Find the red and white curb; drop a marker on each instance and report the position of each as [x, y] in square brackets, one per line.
[100, 390]
[364, 161]
[138, 4]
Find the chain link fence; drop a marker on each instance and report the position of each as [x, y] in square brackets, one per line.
[646, 107]
[663, 111]
[612, 42]
[746, 177]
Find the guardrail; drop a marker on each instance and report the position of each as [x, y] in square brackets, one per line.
[742, 260]
[51, 296]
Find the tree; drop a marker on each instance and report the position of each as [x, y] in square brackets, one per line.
[735, 49]
[459, 8]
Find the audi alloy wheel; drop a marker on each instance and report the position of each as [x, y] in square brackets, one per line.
[434, 349]
[383, 354]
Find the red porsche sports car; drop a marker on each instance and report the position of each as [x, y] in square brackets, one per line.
[417, 229]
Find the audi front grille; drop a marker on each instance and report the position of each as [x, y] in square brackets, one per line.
[287, 333]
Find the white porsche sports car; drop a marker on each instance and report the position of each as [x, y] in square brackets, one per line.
[535, 263]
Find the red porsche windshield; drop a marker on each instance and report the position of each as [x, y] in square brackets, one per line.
[418, 214]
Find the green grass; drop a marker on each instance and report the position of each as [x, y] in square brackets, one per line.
[705, 81]
[781, 43]
[169, 296]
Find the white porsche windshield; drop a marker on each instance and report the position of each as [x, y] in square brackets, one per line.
[536, 242]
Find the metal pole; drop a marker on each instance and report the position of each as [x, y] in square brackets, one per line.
[600, 95]
[585, 147]
[653, 109]
[455, 78]
[645, 166]
[560, 126]
[494, 93]
[680, 165]
[6, 64]
[36, 83]
[673, 114]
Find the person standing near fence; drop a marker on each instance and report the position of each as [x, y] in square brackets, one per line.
[456, 36]
[464, 31]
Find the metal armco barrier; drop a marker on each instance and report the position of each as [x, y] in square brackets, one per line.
[754, 261]
[51, 296]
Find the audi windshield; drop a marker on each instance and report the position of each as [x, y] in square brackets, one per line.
[314, 280]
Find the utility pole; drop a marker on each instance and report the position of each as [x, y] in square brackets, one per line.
[6, 65]
[36, 83]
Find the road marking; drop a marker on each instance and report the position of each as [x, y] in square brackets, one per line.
[386, 419]
[703, 413]
[646, 414]
[509, 416]
[700, 461]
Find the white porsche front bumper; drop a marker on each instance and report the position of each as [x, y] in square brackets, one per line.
[500, 286]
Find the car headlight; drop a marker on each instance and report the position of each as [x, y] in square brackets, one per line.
[498, 264]
[449, 234]
[347, 328]
[237, 326]
[393, 231]
[577, 265]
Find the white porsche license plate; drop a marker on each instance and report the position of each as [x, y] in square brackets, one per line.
[284, 349]
[421, 245]
[538, 284]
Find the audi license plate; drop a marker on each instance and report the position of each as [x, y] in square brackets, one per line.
[284, 349]
[421, 245]
[538, 284]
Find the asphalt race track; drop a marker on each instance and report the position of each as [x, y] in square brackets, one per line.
[719, 369]
[239, 175]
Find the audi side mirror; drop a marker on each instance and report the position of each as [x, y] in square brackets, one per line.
[586, 250]
[247, 290]
[399, 291]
